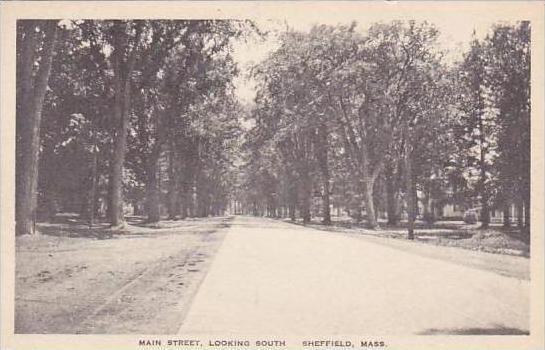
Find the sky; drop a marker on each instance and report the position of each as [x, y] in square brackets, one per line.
[456, 32]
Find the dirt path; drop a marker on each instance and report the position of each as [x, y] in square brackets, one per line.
[139, 282]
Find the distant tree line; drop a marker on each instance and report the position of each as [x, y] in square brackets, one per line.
[120, 112]
[380, 122]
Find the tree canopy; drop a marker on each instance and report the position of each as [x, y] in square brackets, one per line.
[142, 117]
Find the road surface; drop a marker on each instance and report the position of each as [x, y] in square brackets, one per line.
[275, 278]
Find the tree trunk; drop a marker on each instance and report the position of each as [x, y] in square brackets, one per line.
[122, 69]
[29, 115]
[520, 215]
[322, 149]
[120, 143]
[306, 198]
[428, 213]
[527, 214]
[191, 196]
[368, 183]
[172, 182]
[291, 210]
[411, 211]
[153, 194]
[485, 210]
[391, 200]
[326, 220]
[120, 147]
[184, 200]
[414, 192]
[506, 214]
[292, 195]
[94, 187]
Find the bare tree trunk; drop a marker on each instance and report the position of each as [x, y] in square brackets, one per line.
[122, 89]
[322, 148]
[326, 220]
[485, 210]
[358, 209]
[520, 215]
[414, 191]
[191, 197]
[368, 183]
[411, 210]
[120, 147]
[29, 115]
[172, 182]
[153, 197]
[292, 198]
[291, 208]
[94, 186]
[527, 213]
[506, 214]
[306, 197]
[184, 200]
[391, 200]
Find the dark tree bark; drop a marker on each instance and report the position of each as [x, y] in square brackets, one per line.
[520, 214]
[173, 182]
[31, 93]
[299, 149]
[365, 167]
[306, 196]
[292, 206]
[506, 214]
[358, 215]
[94, 186]
[153, 192]
[364, 180]
[391, 200]
[292, 197]
[152, 188]
[322, 149]
[411, 210]
[414, 190]
[191, 198]
[426, 204]
[123, 69]
[485, 210]
[527, 214]
[184, 200]
[369, 183]
[118, 156]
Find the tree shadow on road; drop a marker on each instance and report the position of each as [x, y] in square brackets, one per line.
[498, 330]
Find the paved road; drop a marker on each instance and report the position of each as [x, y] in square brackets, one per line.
[275, 278]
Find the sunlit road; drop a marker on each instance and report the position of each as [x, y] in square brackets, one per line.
[276, 278]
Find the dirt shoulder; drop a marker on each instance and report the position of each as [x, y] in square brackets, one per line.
[141, 281]
[463, 251]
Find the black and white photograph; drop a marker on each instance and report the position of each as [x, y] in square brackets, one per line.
[307, 177]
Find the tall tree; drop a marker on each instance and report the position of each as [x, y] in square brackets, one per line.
[509, 73]
[479, 133]
[125, 41]
[36, 40]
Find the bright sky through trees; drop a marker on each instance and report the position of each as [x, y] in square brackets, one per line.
[455, 36]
